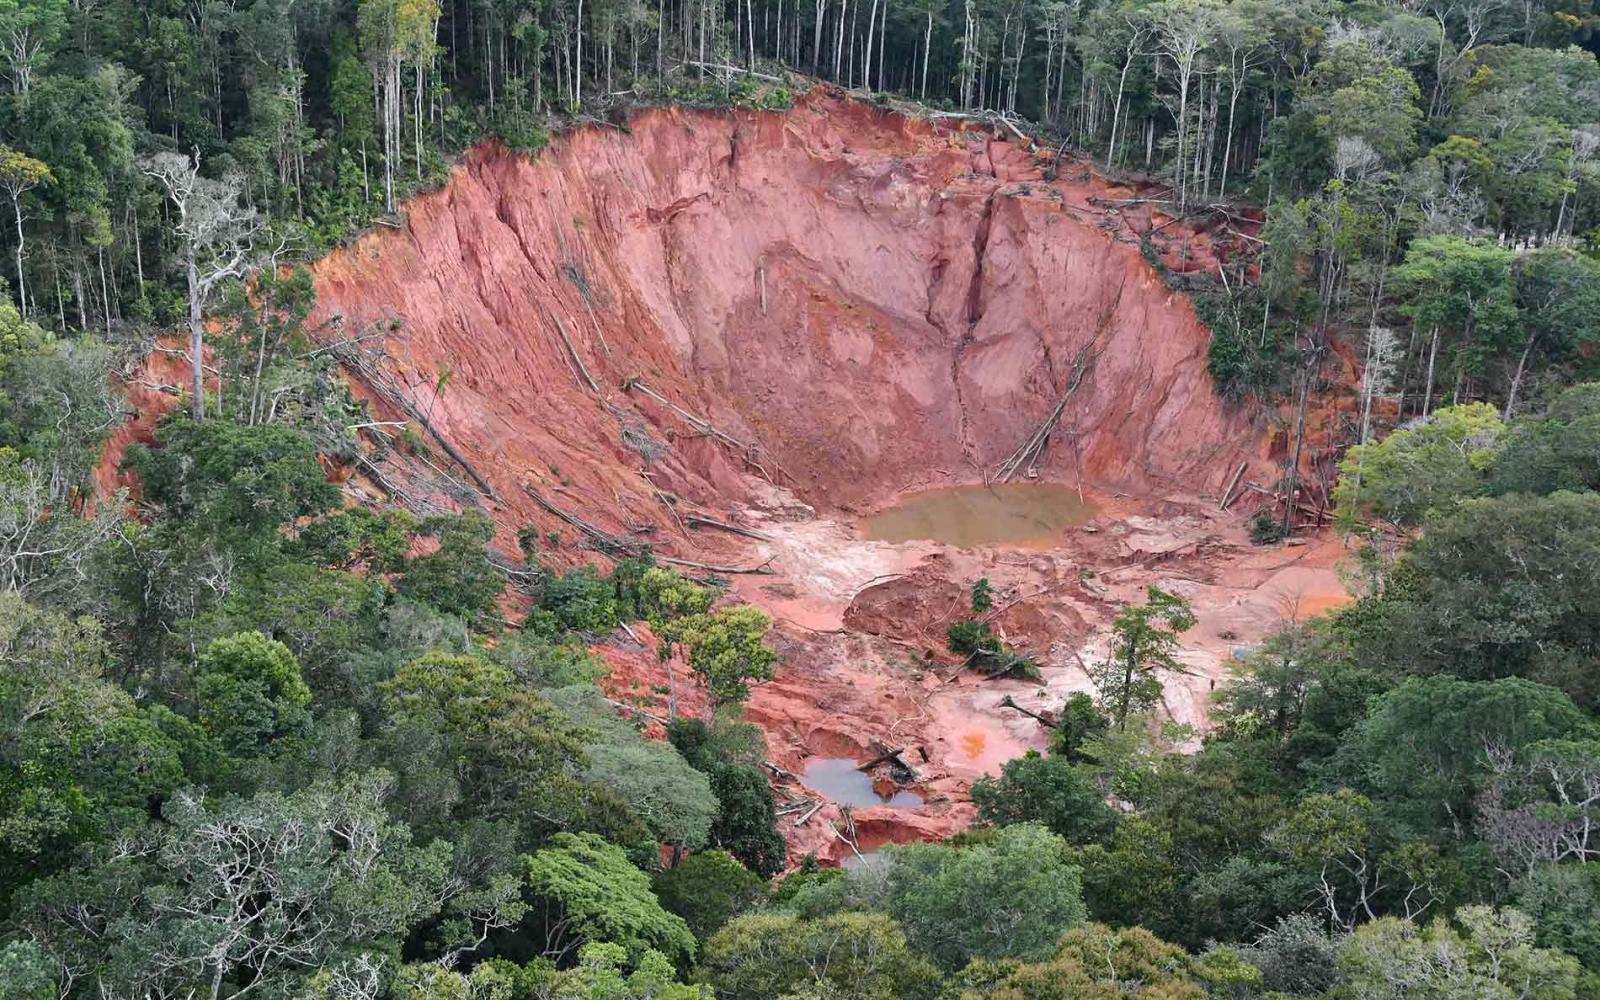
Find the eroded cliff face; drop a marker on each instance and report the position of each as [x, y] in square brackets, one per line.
[868, 301]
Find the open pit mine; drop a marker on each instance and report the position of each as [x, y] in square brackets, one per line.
[851, 361]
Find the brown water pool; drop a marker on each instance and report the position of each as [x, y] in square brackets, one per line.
[968, 516]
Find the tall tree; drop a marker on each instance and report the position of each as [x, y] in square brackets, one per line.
[26, 28]
[19, 174]
[216, 233]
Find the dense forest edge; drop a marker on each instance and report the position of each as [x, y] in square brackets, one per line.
[255, 742]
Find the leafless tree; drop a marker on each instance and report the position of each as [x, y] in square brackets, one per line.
[1184, 30]
[218, 232]
[44, 544]
[1377, 375]
[1542, 805]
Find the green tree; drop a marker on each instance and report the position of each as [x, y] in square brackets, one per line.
[1273, 686]
[235, 891]
[1428, 742]
[325, 617]
[1421, 469]
[863, 956]
[1331, 835]
[601, 975]
[1458, 286]
[961, 903]
[707, 889]
[1044, 790]
[499, 749]
[1143, 640]
[584, 890]
[1564, 900]
[457, 577]
[80, 758]
[256, 353]
[1485, 954]
[1379, 110]
[982, 596]
[1078, 722]
[1133, 878]
[232, 484]
[25, 972]
[580, 600]
[1296, 956]
[1501, 587]
[1555, 452]
[727, 649]
[673, 799]
[250, 693]
[1558, 300]
[27, 29]
[1097, 962]
[666, 595]
[19, 172]
[732, 755]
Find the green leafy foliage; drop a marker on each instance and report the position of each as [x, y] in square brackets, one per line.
[982, 596]
[1421, 469]
[1077, 723]
[249, 693]
[1521, 606]
[1143, 639]
[483, 745]
[376, 540]
[707, 889]
[1543, 455]
[1096, 962]
[603, 973]
[731, 756]
[584, 890]
[1483, 953]
[1420, 745]
[858, 955]
[237, 484]
[971, 638]
[1047, 791]
[457, 577]
[80, 756]
[727, 649]
[961, 903]
[238, 888]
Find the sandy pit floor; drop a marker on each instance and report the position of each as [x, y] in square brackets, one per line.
[864, 668]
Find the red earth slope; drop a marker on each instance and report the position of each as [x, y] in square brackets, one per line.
[873, 299]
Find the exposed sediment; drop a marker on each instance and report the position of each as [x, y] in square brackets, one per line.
[873, 299]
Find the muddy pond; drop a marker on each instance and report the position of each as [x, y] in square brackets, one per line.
[838, 779]
[967, 516]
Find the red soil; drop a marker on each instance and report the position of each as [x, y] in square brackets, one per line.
[872, 299]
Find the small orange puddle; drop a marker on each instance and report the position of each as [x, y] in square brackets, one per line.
[973, 744]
